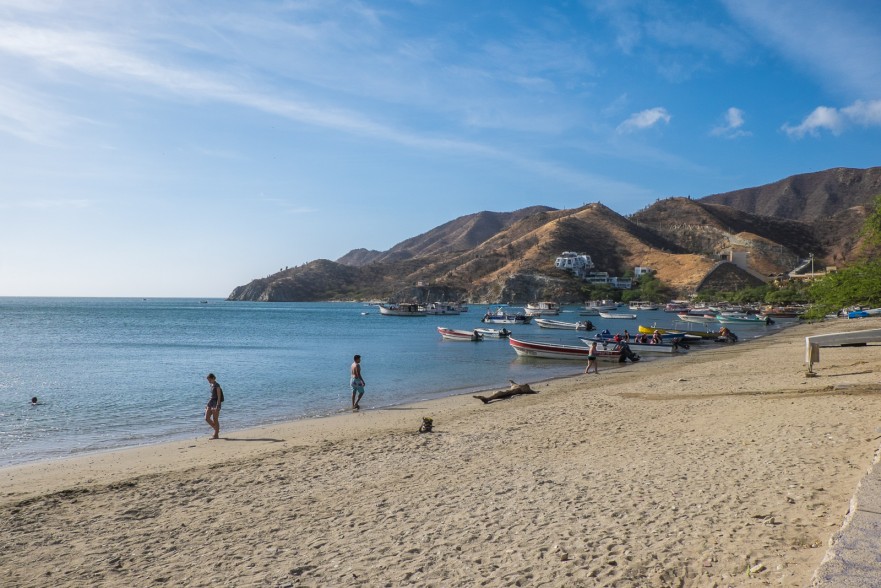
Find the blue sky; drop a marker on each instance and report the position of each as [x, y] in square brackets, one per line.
[182, 148]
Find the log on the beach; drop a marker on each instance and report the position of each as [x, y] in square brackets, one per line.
[514, 390]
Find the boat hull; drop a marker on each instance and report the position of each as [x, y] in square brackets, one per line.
[617, 315]
[401, 310]
[494, 333]
[663, 347]
[459, 335]
[691, 334]
[559, 351]
[552, 324]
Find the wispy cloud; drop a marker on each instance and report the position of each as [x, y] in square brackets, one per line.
[644, 120]
[836, 121]
[732, 127]
[836, 43]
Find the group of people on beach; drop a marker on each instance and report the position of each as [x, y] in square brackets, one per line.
[212, 409]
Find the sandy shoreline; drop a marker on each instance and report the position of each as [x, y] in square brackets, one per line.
[724, 467]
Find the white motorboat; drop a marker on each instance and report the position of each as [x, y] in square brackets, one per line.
[542, 309]
[502, 316]
[502, 333]
[617, 315]
[401, 310]
[459, 335]
[552, 324]
[442, 308]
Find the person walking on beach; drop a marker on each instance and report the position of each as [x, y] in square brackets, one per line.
[357, 383]
[212, 409]
[592, 358]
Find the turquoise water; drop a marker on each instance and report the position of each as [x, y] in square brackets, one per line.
[113, 373]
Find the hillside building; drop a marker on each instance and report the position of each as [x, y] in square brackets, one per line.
[581, 266]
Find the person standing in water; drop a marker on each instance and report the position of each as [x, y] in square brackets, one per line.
[212, 409]
[357, 383]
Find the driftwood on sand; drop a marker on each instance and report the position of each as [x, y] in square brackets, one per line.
[514, 390]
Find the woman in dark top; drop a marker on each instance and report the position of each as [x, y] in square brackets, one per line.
[212, 409]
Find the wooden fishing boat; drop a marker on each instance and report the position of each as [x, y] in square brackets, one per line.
[546, 350]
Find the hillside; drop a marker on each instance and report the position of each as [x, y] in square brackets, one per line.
[491, 256]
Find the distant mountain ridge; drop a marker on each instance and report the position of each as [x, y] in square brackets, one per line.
[492, 256]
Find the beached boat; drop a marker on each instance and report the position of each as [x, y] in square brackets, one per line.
[665, 346]
[548, 350]
[552, 324]
[542, 309]
[494, 333]
[741, 318]
[502, 316]
[401, 310]
[690, 336]
[617, 315]
[459, 335]
[864, 313]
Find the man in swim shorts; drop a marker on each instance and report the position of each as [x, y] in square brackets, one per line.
[212, 409]
[357, 383]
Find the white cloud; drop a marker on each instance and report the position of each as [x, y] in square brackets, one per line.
[644, 120]
[731, 128]
[836, 121]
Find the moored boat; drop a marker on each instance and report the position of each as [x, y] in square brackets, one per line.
[502, 333]
[459, 335]
[552, 324]
[617, 315]
[442, 308]
[401, 310]
[595, 307]
[690, 317]
[546, 350]
[543, 308]
[502, 316]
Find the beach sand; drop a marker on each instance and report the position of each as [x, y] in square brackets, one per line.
[726, 467]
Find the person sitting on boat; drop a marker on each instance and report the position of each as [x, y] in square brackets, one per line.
[656, 337]
[617, 338]
[626, 336]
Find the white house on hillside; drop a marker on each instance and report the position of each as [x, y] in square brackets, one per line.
[577, 263]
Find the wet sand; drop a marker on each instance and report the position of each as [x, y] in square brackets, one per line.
[727, 467]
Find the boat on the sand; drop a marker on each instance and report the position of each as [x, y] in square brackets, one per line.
[547, 350]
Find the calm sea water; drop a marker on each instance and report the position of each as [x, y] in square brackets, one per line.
[113, 373]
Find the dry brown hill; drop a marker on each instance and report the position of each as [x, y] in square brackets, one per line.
[491, 256]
